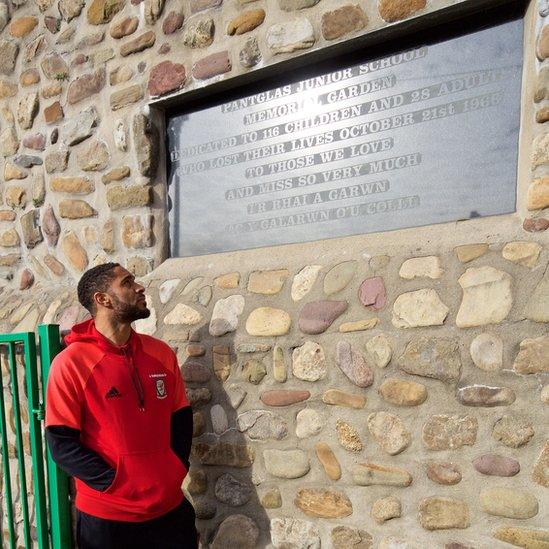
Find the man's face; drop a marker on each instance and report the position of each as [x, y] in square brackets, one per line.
[127, 297]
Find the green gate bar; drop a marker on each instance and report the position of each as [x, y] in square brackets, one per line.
[59, 510]
[58, 482]
[19, 442]
[8, 500]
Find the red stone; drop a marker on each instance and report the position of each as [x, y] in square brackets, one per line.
[217, 63]
[343, 21]
[53, 113]
[283, 397]
[79, 59]
[316, 317]
[166, 77]
[36, 142]
[494, 465]
[27, 279]
[53, 24]
[173, 22]
[86, 85]
[194, 372]
[372, 293]
[536, 225]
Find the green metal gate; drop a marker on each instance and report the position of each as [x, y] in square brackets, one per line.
[51, 502]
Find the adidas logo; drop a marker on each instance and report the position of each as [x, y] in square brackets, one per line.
[113, 393]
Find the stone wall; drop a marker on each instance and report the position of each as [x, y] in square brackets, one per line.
[353, 392]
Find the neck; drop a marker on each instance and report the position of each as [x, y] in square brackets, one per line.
[117, 333]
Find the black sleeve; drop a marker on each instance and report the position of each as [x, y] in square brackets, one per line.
[77, 460]
[182, 434]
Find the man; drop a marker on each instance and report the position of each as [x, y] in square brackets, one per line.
[118, 420]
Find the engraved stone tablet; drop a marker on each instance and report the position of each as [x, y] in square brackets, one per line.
[420, 137]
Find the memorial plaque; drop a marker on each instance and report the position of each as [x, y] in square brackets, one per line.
[420, 137]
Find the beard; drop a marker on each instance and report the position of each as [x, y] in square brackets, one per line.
[126, 313]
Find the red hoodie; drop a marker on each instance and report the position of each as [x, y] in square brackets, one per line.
[121, 399]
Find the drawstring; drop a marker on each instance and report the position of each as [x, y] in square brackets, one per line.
[136, 381]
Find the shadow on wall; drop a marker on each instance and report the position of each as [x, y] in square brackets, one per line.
[223, 479]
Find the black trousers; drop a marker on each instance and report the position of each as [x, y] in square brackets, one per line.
[174, 530]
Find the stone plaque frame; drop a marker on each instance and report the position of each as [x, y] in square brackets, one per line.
[408, 40]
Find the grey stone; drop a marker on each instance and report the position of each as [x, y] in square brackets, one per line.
[225, 315]
[434, 358]
[70, 9]
[54, 66]
[232, 491]
[262, 425]
[292, 5]
[353, 365]
[80, 127]
[8, 56]
[30, 227]
[339, 277]
[250, 54]
[27, 161]
[236, 531]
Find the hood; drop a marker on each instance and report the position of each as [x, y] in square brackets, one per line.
[86, 332]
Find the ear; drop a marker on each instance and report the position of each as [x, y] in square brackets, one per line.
[102, 299]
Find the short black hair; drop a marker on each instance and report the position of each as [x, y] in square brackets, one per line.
[96, 279]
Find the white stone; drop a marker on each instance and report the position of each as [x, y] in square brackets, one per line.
[119, 135]
[286, 463]
[236, 395]
[545, 394]
[421, 267]
[389, 432]
[487, 297]
[147, 325]
[290, 36]
[220, 423]
[294, 533]
[380, 350]
[524, 253]
[308, 423]
[309, 362]
[166, 289]
[27, 324]
[419, 308]
[225, 315]
[487, 352]
[183, 314]
[49, 317]
[304, 281]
